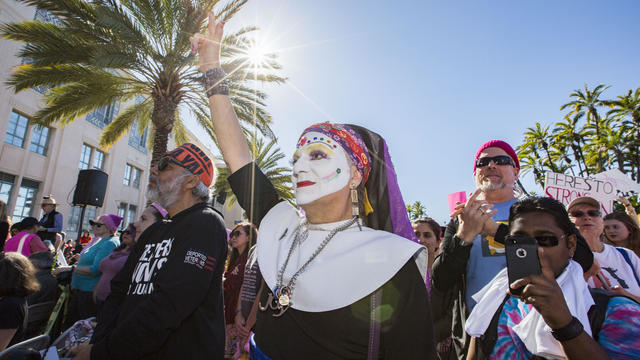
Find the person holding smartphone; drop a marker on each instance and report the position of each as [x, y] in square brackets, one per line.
[551, 316]
[472, 250]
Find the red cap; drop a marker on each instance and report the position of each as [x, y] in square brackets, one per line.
[498, 144]
[195, 160]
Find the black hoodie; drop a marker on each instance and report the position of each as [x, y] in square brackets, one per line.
[166, 302]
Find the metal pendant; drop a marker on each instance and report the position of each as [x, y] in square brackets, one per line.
[283, 300]
[275, 305]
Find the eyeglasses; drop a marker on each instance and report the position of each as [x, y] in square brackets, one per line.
[548, 240]
[162, 164]
[498, 160]
[591, 213]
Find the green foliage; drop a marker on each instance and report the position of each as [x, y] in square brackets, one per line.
[266, 155]
[107, 51]
[588, 140]
[416, 210]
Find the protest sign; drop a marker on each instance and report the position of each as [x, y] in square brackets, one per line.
[604, 187]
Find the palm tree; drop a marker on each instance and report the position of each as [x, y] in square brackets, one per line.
[567, 135]
[539, 136]
[108, 51]
[624, 108]
[266, 156]
[586, 103]
[416, 210]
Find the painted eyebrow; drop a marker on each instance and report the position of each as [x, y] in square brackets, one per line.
[321, 147]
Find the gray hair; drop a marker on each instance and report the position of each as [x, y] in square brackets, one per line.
[201, 192]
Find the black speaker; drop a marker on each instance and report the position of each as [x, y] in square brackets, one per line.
[90, 188]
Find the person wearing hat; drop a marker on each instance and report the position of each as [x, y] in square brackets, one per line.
[167, 301]
[51, 222]
[556, 315]
[619, 268]
[26, 242]
[86, 273]
[472, 250]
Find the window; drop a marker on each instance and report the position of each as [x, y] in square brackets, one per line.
[131, 216]
[39, 140]
[17, 129]
[122, 210]
[85, 157]
[6, 184]
[25, 201]
[132, 176]
[126, 180]
[74, 219]
[135, 177]
[136, 140]
[98, 159]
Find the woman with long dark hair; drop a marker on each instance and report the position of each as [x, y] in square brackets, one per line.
[241, 239]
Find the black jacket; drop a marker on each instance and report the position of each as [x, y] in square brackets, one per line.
[166, 302]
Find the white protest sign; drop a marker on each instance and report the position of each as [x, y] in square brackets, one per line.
[565, 188]
[625, 186]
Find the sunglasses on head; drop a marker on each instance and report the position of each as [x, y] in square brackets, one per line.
[591, 213]
[498, 160]
[164, 162]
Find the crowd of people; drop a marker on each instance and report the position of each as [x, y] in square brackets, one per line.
[343, 274]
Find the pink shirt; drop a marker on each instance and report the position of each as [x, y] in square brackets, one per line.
[31, 244]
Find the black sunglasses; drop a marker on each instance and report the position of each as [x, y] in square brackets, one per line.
[548, 240]
[162, 164]
[235, 233]
[498, 160]
[591, 213]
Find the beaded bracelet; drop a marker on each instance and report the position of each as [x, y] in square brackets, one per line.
[215, 82]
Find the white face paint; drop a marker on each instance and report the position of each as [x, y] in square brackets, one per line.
[320, 167]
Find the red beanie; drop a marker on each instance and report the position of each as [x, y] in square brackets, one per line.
[498, 144]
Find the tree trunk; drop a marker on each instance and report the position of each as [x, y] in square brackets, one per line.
[162, 117]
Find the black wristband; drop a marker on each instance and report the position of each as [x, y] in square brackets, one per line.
[215, 82]
[569, 332]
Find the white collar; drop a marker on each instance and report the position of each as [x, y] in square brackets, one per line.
[354, 263]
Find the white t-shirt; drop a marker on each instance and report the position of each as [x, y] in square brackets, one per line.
[616, 270]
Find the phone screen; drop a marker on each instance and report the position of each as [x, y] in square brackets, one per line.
[522, 258]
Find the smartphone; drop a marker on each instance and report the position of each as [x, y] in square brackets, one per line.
[522, 258]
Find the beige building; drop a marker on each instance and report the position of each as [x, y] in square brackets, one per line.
[38, 161]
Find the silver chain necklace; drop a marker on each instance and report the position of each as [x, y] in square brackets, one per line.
[280, 299]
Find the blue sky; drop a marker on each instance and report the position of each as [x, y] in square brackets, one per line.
[439, 78]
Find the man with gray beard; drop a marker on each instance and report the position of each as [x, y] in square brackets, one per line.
[472, 251]
[166, 302]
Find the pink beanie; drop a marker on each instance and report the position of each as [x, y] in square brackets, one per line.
[498, 144]
[111, 221]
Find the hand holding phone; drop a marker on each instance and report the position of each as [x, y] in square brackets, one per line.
[522, 258]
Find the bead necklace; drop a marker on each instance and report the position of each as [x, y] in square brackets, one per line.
[280, 299]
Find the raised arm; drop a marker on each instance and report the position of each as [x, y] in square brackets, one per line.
[231, 139]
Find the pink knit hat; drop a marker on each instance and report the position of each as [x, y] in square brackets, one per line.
[111, 221]
[498, 144]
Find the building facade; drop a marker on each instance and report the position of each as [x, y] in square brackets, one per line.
[40, 161]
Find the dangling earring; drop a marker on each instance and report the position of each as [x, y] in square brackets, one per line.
[355, 206]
